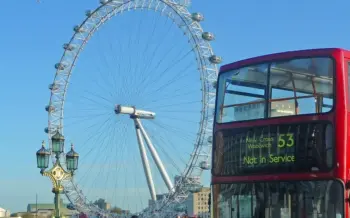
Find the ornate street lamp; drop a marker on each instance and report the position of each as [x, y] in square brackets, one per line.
[72, 158]
[57, 143]
[42, 157]
[57, 173]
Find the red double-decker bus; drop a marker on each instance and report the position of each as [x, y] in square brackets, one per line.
[280, 136]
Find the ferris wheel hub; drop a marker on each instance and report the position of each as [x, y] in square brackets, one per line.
[135, 113]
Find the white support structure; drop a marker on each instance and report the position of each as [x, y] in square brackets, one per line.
[145, 162]
[136, 115]
[157, 159]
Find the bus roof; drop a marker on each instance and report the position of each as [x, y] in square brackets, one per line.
[285, 55]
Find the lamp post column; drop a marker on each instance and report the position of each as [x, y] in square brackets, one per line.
[57, 204]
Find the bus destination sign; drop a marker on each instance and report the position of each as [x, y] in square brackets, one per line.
[277, 149]
[274, 148]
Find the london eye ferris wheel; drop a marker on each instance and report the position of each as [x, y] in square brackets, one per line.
[139, 105]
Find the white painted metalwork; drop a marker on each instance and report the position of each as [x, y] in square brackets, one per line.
[156, 157]
[145, 161]
[206, 60]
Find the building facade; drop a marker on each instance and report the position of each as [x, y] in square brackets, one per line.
[197, 203]
[48, 209]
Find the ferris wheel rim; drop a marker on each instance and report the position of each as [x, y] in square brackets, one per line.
[203, 62]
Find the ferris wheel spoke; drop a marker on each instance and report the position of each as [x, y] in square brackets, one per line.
[153, 78]
[149, 61]
[102, 146]
[171, 96]
[178, 104]
[168, 97]
[171, 81]
[175, 63]
[161, 141]
[170, 133]
[96, 136]
[108, 156]
[74, 120]
[161, 74]
[100, 97]
[175, 129]
[166, 94]
[136, 67]
[162, 144]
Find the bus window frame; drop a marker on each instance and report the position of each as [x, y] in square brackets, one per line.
[330, 56]
[342, 183]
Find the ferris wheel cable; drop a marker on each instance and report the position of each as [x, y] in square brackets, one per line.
[157, 102]
[150, 61]
[99, 96]
[161, 75]
[146, 79]
[117, 173]
[109, 169]
[172, 161]
[101, 88]
[171, 144]
[157, 67]
[74, 122]
[138, 189]
[171, 130]
[167, 97]
[171, 81]
[182, 103]
[86, 142]
[165, 144]
[184, 139]
[179, 111]
[176, 77]
[101, 148]
[94, 147]
[94, 101]
[93, 135]
[166, 154]
[158, 146]
[182, 57]
[164, 55]
[110, 152]
[90, 115]
[175, 118]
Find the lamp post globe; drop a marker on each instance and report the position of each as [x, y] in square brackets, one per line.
[57, 143]
[42, 157]
[72, 159]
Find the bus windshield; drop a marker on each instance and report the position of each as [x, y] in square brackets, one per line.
[275, 89]
[294, 199]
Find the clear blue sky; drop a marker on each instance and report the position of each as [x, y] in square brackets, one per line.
[31, 43]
